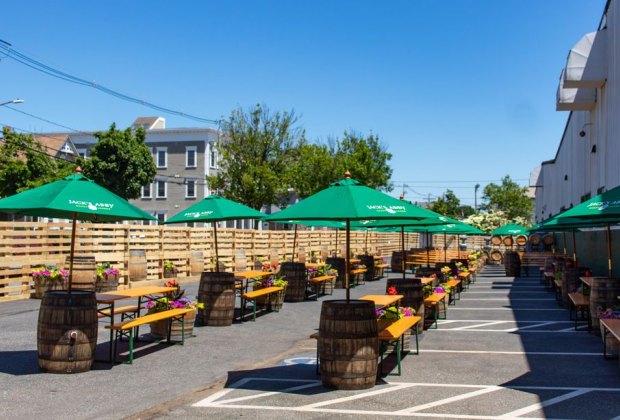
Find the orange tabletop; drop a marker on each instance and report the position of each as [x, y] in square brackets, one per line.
[315, 265]
[355, 260]
[137, 292]
[383, 300]
[427, 280]
[252, 274]
[108, 297]
[463, 274]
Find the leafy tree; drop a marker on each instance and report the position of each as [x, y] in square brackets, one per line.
[448, 205]
[314, 169]
[465, 211]
[24, 164]
[257, 156]
[366, 158]
[121, 161]
[508, 197]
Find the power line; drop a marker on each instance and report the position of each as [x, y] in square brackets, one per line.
[457, 181]
[50, 71]
[46, 120]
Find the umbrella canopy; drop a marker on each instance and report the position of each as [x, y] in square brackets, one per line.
[510, 229]
[348, 200]
[74, 197]
[605, 205]
[214, 209]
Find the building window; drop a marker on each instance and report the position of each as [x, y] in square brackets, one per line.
[146, 191]
[190, 157]
[83, 153]
[162, 189]
[190, 187]
[213, 157]
[162, 157]
[161, 216]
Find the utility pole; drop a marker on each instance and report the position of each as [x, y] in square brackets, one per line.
[476, 198]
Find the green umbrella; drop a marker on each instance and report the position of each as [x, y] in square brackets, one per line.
[348, 200]
[74, 197]
[510, 229]
[213, 209]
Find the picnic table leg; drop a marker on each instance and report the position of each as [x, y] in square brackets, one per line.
[417, 343]
[131, 337]
[398, 352]
[112, 334]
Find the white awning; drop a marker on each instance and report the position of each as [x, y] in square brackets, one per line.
[586, 64]
[582, 99]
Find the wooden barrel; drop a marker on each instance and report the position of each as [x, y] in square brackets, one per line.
[67, 331]
[535, 239]
[428, 272]
[507, 240]
[603, 294]
[396, 263]
[217, 292]
[295, 274]
[496, 255]
[496, 240]
[196, 263]
[337, 263]
[84, 273]
[512, 264]
[180, 329]
[348, 344]
[137, 265]
[521, 240]
[570, 281]
[413, 295]
[548, 239]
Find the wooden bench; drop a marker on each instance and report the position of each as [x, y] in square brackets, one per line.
[380, 270]
[581, 304]
[557, 285]
[466, 278]
[125, 312]
[318, 283]
[393, 332]
[253, 295]
[432, 302]
[127, 327]
[355, 275]
[610, 326]
[454, 290]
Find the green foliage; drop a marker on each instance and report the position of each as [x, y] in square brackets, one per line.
[257, 156]
[24, 164]
[448, 205]
[366, 158]
[314, 169]
[508, 197]
[121, 162]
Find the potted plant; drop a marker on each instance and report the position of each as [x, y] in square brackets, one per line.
[387, 316]
[107, 278]
[48, 277]
[170, 270]
[173, 300]
[274, 300]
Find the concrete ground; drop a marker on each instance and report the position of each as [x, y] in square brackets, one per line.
[506, 351]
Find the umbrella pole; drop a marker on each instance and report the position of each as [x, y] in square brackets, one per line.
[445, 247]
[610, 271]
[366, 244]
[428, 252]
[336, 247]
[458, 245]
[294, 243]
[402, 247]
[217, 257]
[574, 249]
[72, 252]
[347, 261]
[564, 241]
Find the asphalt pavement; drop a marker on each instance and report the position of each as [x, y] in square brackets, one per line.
[506, 350]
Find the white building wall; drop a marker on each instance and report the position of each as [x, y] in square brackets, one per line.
[587, 172]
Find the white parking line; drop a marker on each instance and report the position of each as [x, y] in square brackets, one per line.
[501, 308]
[507, 298]
[479, 325]
[513, 353]
[449, 400]
[545, 403]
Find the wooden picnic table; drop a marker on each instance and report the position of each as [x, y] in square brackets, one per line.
[383, 301]
[427, 280]
[109, 299]
[586, 280]
[315, 265]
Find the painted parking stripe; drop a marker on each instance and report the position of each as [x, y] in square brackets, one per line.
[543, 404]
[391, 388]
[479, 325]
[512, 353]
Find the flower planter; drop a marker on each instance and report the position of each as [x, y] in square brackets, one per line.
[274, 301]
[41, 288]
[170, 274]
[159, 329]
[107, 283]
[612, 345]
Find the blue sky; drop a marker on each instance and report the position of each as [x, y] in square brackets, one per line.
[460, 91]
